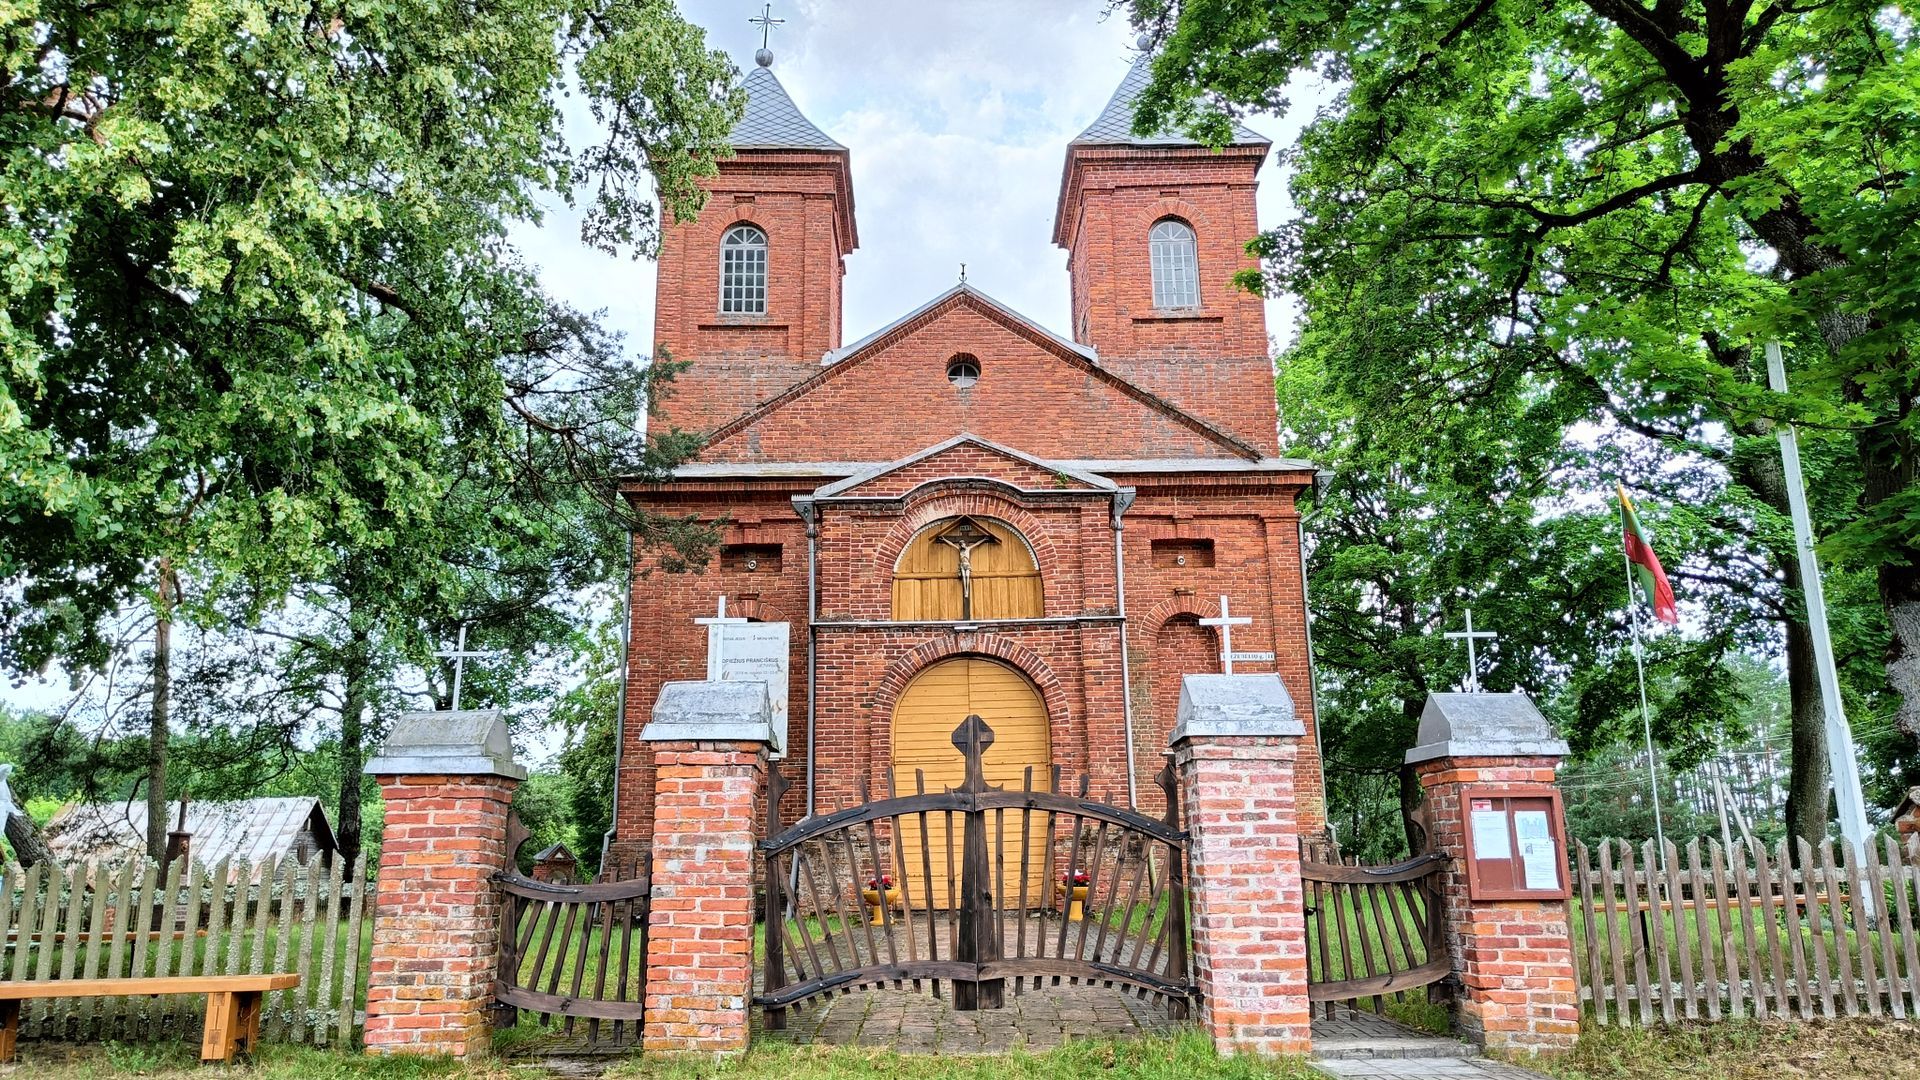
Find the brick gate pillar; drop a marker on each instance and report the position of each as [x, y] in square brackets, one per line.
[447, 778]
[1234, 744]
[709, 742]
[1494, 755]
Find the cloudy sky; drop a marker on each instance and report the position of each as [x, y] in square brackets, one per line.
[957, 116]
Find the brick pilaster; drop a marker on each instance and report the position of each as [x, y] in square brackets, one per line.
[1235, 748]
[436, 913]
[700, 931]
[1512, 958]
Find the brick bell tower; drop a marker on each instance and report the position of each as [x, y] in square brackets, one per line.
[749, 291]
[1183, 212]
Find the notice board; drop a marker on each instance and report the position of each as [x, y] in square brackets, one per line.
[1516, 843]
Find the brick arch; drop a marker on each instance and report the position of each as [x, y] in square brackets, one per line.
[1181, 646]
[935, 506]
[1157, 615]
[752, 607]
[1166, 208]
[893, 683]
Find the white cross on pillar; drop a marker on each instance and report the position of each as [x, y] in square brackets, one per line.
[1226, 623]
[1470, 636]
[460, 654]
[716, 625]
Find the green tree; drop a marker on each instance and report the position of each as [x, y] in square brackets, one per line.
[257, 283]
[1613, 202]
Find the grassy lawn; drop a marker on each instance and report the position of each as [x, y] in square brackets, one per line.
[1182, 1057]
[1830, 1050]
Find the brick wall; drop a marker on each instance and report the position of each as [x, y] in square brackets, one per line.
[804, 202]
[436, 918]
[1248, 901]
[1075, 663]
[1513, 958]
[700, 931]
[1214, 359]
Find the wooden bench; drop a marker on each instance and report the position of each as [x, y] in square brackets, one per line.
[233, 1004]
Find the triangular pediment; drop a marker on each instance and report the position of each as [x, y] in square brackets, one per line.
[889, 395]
[966, 457]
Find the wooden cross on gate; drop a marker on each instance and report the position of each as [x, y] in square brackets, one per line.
[1226, 623]
[1470, 636]
[972, 738]
[460, 654]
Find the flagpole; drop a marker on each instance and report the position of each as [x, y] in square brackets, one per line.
[1646, 714]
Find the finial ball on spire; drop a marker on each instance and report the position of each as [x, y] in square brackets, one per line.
[763, 57]
[1143, 42]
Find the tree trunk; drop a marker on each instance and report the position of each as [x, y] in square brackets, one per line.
[158, 729]
[356, 670]
[1809, 773]
[1411, 794]
[29, 847]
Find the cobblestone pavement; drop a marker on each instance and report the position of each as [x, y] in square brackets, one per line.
[919, 1023]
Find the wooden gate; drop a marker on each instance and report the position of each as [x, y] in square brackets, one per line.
[576, 952]
[873, 896]
[1372, 931]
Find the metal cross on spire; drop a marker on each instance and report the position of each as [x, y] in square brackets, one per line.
[1226, 623]
[766, 22]
[460, 654]
[1470, 636]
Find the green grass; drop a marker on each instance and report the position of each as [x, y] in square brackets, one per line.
[1185, 1056]
[180, 1060]
[1744, 1050]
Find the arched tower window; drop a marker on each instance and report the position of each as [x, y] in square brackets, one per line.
[743, 271]
[1175, 263]
[966, 569]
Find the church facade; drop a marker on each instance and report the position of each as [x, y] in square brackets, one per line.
[965, 512]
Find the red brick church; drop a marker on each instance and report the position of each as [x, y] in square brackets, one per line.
[963, 511]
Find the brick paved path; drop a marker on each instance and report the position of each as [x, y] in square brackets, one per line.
[1369, 1047]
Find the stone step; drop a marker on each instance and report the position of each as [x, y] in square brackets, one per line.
[1409, 1046]
[1423, 1068]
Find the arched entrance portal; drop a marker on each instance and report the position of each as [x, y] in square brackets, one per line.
[932, 705]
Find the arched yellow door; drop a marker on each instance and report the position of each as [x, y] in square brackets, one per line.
[935, 703]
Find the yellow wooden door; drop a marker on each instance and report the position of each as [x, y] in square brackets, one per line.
[934, 704]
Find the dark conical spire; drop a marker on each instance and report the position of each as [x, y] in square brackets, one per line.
[1114, 125]
[772, 121]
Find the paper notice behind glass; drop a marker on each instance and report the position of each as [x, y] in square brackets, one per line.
[1540, 862]
[1531, 825]
[1490, 835]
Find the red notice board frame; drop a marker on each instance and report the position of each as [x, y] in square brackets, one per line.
[1503, 880]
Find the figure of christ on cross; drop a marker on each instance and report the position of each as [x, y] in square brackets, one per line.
[963, 537]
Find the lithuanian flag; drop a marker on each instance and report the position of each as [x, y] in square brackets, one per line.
[1646, 565]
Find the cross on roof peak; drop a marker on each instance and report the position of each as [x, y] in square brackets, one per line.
[766, 22]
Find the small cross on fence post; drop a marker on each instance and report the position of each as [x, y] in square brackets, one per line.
[1226, 623]
[460, 654]
[1471, 636]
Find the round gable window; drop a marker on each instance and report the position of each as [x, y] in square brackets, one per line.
[963, 371]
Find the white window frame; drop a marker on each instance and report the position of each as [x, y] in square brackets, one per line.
[743, 270]
[1173, 258]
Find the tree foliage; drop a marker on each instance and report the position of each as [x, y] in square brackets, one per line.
[1613, 201]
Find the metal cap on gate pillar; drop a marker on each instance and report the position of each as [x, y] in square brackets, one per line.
[1483, 725]
[469, 742]
[1228, 705]
[711, 711]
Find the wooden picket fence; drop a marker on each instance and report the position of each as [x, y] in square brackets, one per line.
[1791, 933]
[130, 920]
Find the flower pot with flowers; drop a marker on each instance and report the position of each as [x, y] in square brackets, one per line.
[880, 894]
[1073, 886]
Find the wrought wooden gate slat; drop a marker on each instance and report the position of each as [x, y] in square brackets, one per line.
[984, 917]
